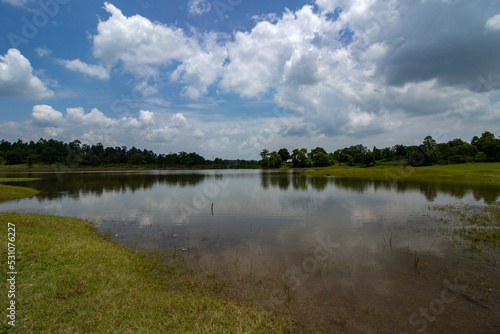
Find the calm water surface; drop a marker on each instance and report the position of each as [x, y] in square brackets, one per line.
[339, 252]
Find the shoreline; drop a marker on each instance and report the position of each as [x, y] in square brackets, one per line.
[64, 264]
[125, 168]
[67, 265]
[468, 172]
[11, 193]
[463, 173]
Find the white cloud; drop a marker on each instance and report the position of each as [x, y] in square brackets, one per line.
[147, 117]
[46, 116]
[179, 121]
[228, 131]
[198, 7]
[17, 79]
[359, 74]
[138, 42]
[42, 52]
[375, 51]
[198, 133]
[144, 48]
[77, 116]
[163, 134]
[97, 71]
[202, 68]
[216, 144]
[493, 23]
[95, 127]
[257, 58]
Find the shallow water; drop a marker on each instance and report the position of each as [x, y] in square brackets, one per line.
[337, 253]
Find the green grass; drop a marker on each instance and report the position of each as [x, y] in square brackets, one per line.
[470, 172]
[9, 193]
[71, 280]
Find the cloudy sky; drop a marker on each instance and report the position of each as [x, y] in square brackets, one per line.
[227, 78]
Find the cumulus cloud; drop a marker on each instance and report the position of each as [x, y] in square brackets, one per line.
[136, 41]
[344, 67]
[347, 67]
[143, 46]
[95, 118]
[97, 71]
[45, 115]
[95, 126]
[179, 121]
[202, 68]
[257, 58]
[147, 117]
[17, 78]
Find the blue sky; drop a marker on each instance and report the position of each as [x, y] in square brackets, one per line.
[228, 78]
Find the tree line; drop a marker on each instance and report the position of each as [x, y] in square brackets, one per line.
[485, 148]
[480, 149]
[76, 154]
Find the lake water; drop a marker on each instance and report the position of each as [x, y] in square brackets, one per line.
[339, 253]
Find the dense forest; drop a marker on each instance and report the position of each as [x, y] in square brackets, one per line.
[480, 149]
[76, 154]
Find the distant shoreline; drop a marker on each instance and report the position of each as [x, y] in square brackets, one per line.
[62, 168]
[469, 172]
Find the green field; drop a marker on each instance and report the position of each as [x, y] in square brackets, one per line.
[471, 172]
[9, 193]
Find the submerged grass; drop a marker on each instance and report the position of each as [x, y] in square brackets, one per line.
[470, 172]
[477, 224]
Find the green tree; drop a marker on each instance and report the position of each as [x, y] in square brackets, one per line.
[322, 160]
[429, 143]
[377, 154]
[275, 160]
[300, 159]
[319, 157]
[369, 159]
[137, 159]
[490, 146]
[264, 163]
[401, 151]
[284, 154]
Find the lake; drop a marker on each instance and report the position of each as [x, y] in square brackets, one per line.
[359, 255]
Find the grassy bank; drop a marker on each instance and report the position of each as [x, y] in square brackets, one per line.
[70, 280]
[9, 193]
[470, 172]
